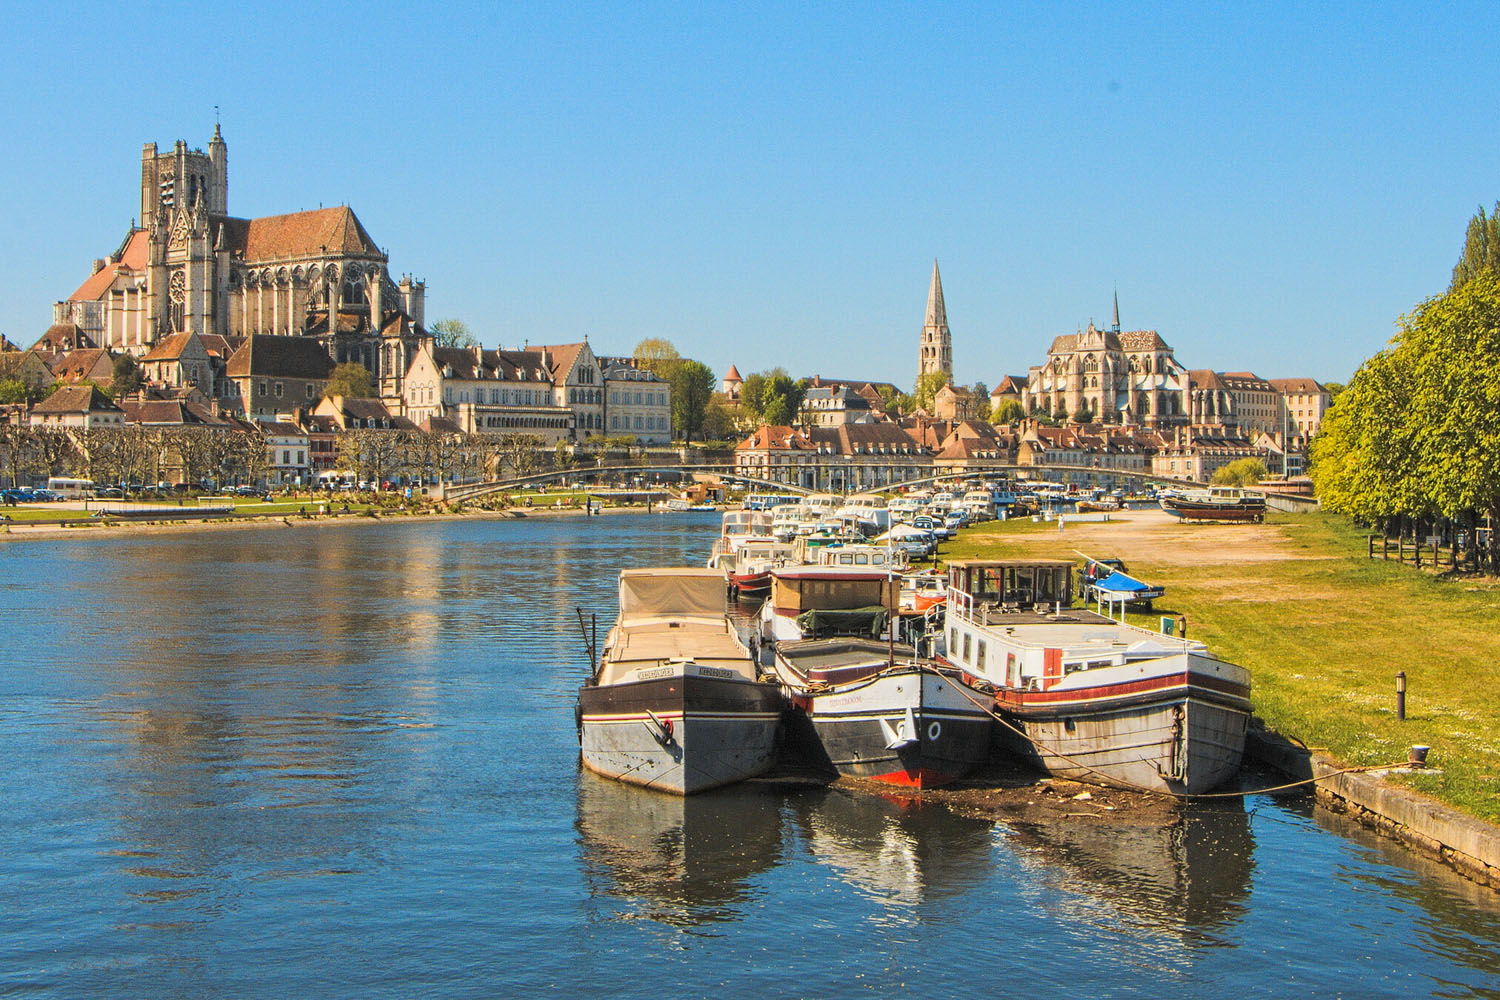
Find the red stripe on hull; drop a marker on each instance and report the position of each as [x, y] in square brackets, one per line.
[1021, 699]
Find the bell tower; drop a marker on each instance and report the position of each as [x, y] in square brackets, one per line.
[937, 344]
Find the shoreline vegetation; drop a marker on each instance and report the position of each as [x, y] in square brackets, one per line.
[1323, 629]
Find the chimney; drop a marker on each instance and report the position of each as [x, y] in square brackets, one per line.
[98, 266]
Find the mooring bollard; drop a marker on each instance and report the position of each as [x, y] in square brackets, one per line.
[1401, 695]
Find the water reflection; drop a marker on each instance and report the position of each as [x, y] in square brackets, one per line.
[898, 850]
[685, 861]
[1188, 877]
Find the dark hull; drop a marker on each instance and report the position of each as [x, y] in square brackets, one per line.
[680, 734]
[915, 729]
[1246, 509]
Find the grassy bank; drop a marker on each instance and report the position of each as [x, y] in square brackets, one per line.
[1324, 631]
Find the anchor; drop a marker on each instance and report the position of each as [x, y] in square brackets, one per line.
[905, 736]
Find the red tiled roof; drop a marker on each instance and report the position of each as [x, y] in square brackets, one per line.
[561, 356]
[1298, 386]
[133, 259]
[91, 362]
[52, 341]
[321, 231]
[777, 437]
[287, 357]
[169, 349]
[76, 399]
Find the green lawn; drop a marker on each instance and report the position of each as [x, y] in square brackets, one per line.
[1324, 631]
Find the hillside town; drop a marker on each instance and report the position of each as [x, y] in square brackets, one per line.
[280, 351]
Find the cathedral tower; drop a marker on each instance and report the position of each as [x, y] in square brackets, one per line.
[937, 343]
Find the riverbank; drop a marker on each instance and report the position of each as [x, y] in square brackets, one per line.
[111, 528]
[1324, 631]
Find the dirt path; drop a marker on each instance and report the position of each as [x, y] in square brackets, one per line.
[1154, 536]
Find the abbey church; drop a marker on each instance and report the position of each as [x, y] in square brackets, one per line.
[189, 266]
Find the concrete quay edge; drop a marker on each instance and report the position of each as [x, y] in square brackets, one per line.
[1469, 845]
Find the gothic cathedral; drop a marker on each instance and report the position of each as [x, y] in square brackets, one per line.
[190, 267]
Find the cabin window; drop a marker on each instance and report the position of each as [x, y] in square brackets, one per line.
[953, 640]
[967, 637]
[979, 655]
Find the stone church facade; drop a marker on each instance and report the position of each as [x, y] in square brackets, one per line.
[188, 266]
[1126, 377]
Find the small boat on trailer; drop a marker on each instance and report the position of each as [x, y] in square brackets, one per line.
[1217, 503]
[676, 702]
[1090, 698]
[875, 711]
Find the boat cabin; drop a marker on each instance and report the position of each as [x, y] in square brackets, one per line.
[811, 601]
[1012, 584]
[672, 616]
[863, 557]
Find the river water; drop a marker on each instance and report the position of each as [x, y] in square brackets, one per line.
[340, 760]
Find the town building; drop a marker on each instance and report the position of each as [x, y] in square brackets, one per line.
[1306, 401]
[841, 459]
[936, 352]
[87, 364]
[833, 405]
[975, 446]
[80, 406]
[288, 454]
[486, 392]
[731, 383]
[637, 402]
[1258, 405]
[953, 402]
[270, 375]
[1198, 452]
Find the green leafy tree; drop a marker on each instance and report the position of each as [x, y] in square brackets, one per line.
[452, 333]
[126, 377]
[656, 354]
[927, 387]
[351, 380]
[719, 420]
[13, 390]
[1241, 472]
[1481, 253]
[752, 395]
[1417, 431]
[781, 400]
[1007, 411]
[692, 388]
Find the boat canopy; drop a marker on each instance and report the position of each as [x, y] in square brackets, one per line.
[654, 593]
[1120, 583]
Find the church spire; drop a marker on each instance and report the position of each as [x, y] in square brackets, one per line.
[937, 344]
[937, 313]
[1117, 311]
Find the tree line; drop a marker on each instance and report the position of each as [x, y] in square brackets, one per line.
[1415, 435]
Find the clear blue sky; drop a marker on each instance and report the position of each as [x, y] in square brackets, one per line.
[1269, 187]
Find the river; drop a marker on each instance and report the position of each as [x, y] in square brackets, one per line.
[340, 760]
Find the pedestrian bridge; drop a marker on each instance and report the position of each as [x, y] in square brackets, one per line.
[832, 477]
